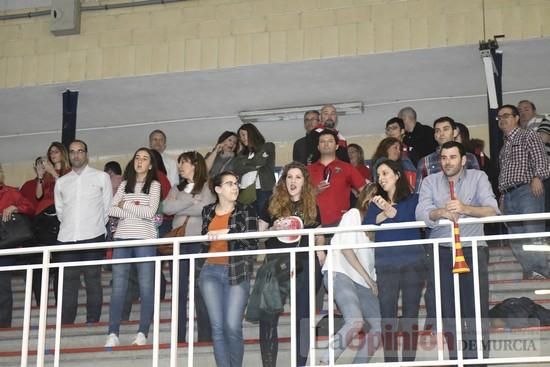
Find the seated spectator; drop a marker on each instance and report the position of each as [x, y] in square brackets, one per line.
[221, 157]
[11, 201]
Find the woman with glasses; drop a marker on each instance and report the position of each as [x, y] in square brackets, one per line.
[224, 281]
[135, 203]
[399, 269]
[293, 197]
[185, 202]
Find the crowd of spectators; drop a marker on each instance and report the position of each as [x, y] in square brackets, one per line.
[418, 172]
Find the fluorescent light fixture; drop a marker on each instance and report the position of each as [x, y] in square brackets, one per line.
[297, 113]
[488, 66]
[538, 248]
[542, 291]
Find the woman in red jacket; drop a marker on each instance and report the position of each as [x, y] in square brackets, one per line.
[11, 202]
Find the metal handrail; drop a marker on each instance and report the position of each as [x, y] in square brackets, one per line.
[46, 264]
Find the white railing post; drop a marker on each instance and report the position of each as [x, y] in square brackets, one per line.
[58, 315]
[191, 314]
[312, 298]
[175, 304]
[437, 289]
[477, 300]
[293, 308]
[40, 352]
[156, 313]
[26, 319]
[330, 284]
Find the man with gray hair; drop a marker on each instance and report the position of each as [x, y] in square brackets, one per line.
[419, 138]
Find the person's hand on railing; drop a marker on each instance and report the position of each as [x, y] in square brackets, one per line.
[455, 207]
[214, 235]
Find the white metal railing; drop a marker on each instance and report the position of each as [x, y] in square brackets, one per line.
[46, 264]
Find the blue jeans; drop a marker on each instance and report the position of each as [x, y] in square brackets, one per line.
[407, 279]
[522, 201]
[357, 305]
[146, 279]
[225, 304]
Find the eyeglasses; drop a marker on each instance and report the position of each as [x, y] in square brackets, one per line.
[230, 183]
[505, 116]
[79, 151]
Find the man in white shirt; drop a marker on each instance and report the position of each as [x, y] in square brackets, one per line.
[157, 141]
[82, 201]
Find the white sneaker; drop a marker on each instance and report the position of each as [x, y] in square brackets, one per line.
[140, 339]
[112, 341]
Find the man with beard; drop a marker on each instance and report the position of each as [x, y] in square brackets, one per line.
[329, 120]
[333, 179]
[473, 197]
[82, 201]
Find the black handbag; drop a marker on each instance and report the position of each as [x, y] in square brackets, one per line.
[46, 226]
[16, 231]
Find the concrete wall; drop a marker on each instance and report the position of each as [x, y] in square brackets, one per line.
[207, 34]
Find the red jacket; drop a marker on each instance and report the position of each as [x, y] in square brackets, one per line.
[10, 196]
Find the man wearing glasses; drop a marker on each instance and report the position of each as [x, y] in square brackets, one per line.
[524, 166]
[82, 201]
[299, 151]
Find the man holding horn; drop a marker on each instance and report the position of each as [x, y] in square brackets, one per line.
[452, 194]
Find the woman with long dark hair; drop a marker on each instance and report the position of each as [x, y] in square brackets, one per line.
[135, 203]
[221, 157]
[225, 280]
[399, 269]
[185, 202]
[255, 163]
[293, 196]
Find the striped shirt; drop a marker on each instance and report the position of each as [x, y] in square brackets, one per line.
[521, 158]
[137, 213]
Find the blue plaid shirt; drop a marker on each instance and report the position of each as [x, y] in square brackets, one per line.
[243, 219]
[431, 164]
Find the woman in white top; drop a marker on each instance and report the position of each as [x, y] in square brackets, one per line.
[354, 284]
[135, 203]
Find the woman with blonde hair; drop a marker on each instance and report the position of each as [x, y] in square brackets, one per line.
[292, 197]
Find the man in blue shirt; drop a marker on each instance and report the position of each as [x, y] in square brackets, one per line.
[474, 197]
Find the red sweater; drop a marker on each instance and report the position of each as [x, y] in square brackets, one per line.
[10, 196]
